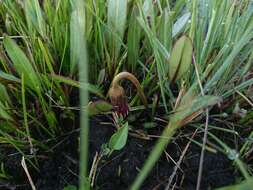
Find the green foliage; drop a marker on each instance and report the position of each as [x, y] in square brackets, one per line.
[116, 19]
[3, 173]
[34, 17]
[70, 187]
[179, 118]
[133, 40]
[79, 57]
[245, 185]
[180, 58]
[86, 86]
[98, 107]
[22, 65]
[163, 43]
[119, 139]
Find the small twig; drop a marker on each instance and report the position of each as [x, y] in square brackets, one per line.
[114, 158]
[93, 165]
[179, 98]
[201, 160]
[93, 171]
[27, 173]
[170, 158]
[177, 166]
[245, 98]
[160, 137]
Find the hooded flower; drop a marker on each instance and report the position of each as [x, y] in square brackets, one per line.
[119, 100]
[117, 94]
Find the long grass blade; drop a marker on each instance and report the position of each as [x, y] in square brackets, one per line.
[80, 56]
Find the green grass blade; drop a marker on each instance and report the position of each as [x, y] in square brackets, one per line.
[133, 40]
[80, 55]
[8, 77]
[34, 17]
[175, 122]
[85, 86]
[194, 19]
[25, 114]
[116, 15]
[233, 155]
[180, 24]
[154, 155]
[22, 64]
[165, 30]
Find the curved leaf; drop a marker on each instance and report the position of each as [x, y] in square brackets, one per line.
[181, 58]
[119, 139]
[98, 107]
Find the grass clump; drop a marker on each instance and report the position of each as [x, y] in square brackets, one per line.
[190, 61]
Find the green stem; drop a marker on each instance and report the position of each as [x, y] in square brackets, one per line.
[155, 154]
[237, 160]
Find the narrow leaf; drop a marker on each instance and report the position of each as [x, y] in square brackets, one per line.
[3, 113]
[117, 13]
[4, 97]
[22, 64]
[180, 24]
[91, 88]
[133, 42]
[34, 16]
[8, 77]
[165, 33]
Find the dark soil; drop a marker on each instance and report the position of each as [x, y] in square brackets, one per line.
[59, 167]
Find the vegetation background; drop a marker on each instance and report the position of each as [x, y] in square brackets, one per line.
[193, 59]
